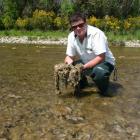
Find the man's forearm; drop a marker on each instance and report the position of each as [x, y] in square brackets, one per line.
[94, 61]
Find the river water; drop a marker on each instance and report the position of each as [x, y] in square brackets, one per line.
[30, 109]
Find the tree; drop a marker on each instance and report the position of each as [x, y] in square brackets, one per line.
[49, 5]
[117, 8]
[10, 13]
[67, 7]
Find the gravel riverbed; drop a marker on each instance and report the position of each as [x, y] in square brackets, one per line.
[31, 110]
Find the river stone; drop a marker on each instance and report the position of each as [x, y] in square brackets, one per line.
[59, 110]
[67, 75]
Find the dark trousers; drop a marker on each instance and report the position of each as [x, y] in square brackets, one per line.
[100, 75]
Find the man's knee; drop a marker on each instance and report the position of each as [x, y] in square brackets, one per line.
[99, 74]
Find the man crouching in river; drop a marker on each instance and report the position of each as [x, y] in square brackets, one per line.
[90, 45]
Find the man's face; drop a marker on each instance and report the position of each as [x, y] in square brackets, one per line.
[79, 28]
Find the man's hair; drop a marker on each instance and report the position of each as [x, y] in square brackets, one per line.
[76, 17]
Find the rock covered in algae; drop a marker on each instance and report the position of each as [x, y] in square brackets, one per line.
[67, 75]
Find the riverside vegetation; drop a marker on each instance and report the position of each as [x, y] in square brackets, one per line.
[51, 16]
[57, 27]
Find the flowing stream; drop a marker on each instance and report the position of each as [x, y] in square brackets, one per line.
[30, 109]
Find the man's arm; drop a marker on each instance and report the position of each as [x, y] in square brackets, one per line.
[98, 59]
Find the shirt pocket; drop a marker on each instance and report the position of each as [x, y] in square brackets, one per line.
[89, 49]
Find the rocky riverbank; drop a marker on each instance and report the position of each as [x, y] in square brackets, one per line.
[32, 40]
[61, 41]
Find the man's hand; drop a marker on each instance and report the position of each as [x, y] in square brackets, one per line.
[68, 60]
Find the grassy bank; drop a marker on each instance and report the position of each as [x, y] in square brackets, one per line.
[123, 36]
[62, 34]
[35, 33]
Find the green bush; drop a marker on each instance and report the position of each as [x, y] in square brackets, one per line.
[42, 20]
[92, 20]
[131, 23]
[58, 22]
[109, 23]
[61, 23]
[22, 23]
[8, 22]
[67, 7]
[1, 24]
[112, 24]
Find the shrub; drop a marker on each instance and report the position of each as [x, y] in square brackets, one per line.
[58, 22]
[61, 23]
[107, 23]
[100, 23]
[132, 23]
[112, 24]
[92, 20]
[1, 24]
[8, 22]
[42, 20]
[65, 23]
[22, 23]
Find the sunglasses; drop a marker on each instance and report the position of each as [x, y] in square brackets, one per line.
[81, 25]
